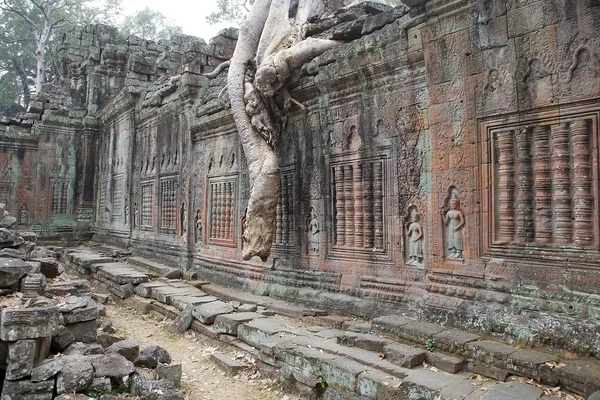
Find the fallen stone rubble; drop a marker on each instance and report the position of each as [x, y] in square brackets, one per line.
[335, 357]
[51, 346]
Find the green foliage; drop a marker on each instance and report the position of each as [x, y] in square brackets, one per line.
[321, 384]
[150, 25]
[230, 11]
[430, 344]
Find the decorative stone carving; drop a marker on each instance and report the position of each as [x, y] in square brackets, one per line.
[168, 205]
[198, 226]
[183, 221]
[454, 219]
[313, 232]
[221, 215]
[24, 216]
[414, 237]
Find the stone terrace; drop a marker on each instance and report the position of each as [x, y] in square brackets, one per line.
[338, 357]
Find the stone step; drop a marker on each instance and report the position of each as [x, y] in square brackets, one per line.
[120, 273]
[226, 364]
[86, 258]
[158, 268]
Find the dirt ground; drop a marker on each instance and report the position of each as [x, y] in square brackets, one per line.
[202, 380]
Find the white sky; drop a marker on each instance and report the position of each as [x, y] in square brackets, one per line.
[189, 14]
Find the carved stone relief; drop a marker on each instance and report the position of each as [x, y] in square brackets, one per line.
[285, 220]
[314, 232]
[414, 238]
[454, 220]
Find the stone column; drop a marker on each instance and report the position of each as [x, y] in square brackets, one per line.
[582, 184]
[561, 184]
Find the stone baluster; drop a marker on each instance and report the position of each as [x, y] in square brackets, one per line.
[542, 185]
[221, 211]
[278, 221]
[378, 203]
[359, 228]
[524, 223]
[284, 209]
[368, 205]
[349, 196]
[228, 199]
[561, 184]
[213, 209]
[582, 184]
[506, 185]
[340, 207]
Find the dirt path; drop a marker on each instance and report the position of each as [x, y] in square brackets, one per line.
[201, 379]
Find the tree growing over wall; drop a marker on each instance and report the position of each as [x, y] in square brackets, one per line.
[272, 44]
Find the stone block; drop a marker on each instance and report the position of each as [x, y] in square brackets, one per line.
[11, 271]
[488, 352]
[28, 323]
[76, 287]
[85, 331]
[226, 364]
[258, 329]
[333, 321]
[100, 298]
[445, 362]
[342, 372]
[128, 348]
[454, 340]
[49, 266]
[184, 320]
[375, 384]
[151, 356]
[21, 356]
[141, 304]
[87, 312]
[513, 391]
[75, 375]
[488, 370]
[403, 355]
[228, 323]
[46, 369]
[206, 313]
[112, 366]
[170, 372]
[527, 363]
[145, 289]
[366, 341]
[25, 389]
[246, 307]
[390, 324]
[161, 389]
[121, 274]
[100, 385]
[581, 376]
[183, 301]
[107, 339]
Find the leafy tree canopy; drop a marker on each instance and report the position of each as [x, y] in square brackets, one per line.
[150, 25]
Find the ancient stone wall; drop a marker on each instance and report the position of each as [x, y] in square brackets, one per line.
[446, 163]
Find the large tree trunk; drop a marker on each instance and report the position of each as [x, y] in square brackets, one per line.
[40, 76]
[263, 166]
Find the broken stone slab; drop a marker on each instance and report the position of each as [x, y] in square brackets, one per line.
[527, 363]
[342, 372]
[445, 362]
[145, 289]
[184, 320]
[206, 313]
[76, 375]
[128, 348]
[38, 252]
[228, 323]
[112, 366]
[166, 293]
[581, 376]
[12, 270]
[352, 326]
[161, 389]
[26, 389]
[10, 238]
[76, 396]
[121, 273]
[183, 301]
[141, 304]
[100, 385]
[403, 355]
[226, 364]
[87, 258]
[489, 352]
[364, 341]
[100, 298]
[84, 331]
[374, 384]
[151, 356]
[84, 349]
[77, 287]
[488, 370]
[158, 268]
[86, 310]
[19, 253]
[454, 340]
[48, 266]
[20, 359]
[106, 339]
[33, 285]
[259, 329]
[170, 372]
[513, 391]
[71, 303]
[246, 307]
[390, 324]
[46, 369]
[29, 323]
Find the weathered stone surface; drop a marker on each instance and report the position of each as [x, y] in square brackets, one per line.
[28, 323]
[12, 270]
[25, 389]
[84, 331]
[100, 385]
[49, 266]
[19, 253]
[33, 285]
[246, 307]
[46, 369]
[513, 391]
[112, 365]
[184, 320]
[128, 348]
[170, 372]
[107, 339]
[403, 356]
[454, 340]
[9, 238]
[83, 309]
[365, 341]
[258, 329]
[206, 313]
[100, 298]
[154, 390]
[228, 323]
[445, 362]
[84, 349]
[76, 287]
[75, 375]
[151, 356]
[226, 364]
[21, 356]
[75, 396]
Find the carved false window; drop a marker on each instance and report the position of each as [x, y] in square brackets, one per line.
[358, 192]
[540, 188]
[285, 222]
[60, 196]
[168, 205]
[117, 197]
[221, 211]
[147, 206]
[102, 199]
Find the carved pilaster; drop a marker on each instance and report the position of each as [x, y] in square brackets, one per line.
[506, 185]
[368, 206]
[543, 184]
[349, 197]
[378, 203]
[340, 207]
[524, 225]
[358, 207]
[561, 184]
[582, 183]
